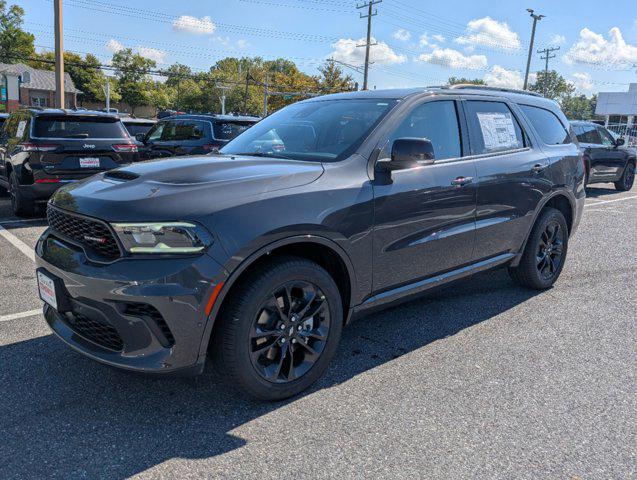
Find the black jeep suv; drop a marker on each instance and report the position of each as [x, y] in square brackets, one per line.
[42, 149]
[260, 258]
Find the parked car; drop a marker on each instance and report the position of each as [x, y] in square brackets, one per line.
[138, 127]
[604, 159]
[42, 149]
[192, 134]
[261, 258]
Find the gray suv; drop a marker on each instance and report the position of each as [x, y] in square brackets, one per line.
[258, 256]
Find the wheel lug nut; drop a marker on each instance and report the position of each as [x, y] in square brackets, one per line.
[282, 340]
[299, 328]
[294, 340]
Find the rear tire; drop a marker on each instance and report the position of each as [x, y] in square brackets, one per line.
[627, 179]
[279, 329]
[21, 206]
[545, 252]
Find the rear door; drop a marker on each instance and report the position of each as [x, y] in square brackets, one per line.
[425, 216]
[81, 145]
[512, 176]
[188, 136]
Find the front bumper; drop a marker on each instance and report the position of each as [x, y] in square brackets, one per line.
[145, 315]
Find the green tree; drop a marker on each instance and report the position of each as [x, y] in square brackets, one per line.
[463, 80]
[132, 71]
[577, 107]
[552, 85]
[332, 79]
[15, 44]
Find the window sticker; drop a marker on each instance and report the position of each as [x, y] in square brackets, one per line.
[21, 126]
[498, 130]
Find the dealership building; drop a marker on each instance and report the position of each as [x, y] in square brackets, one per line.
[618, 107]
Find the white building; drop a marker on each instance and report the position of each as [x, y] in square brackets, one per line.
[622, 104]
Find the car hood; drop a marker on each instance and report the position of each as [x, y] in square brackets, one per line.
[183, 187]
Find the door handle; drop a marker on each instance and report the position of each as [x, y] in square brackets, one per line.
[461, 181]
[538, 168]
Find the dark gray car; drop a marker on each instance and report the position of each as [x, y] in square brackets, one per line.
[260, 257]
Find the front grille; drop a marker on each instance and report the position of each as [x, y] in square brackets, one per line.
[94, 235]
[97, 332]
[145, 310]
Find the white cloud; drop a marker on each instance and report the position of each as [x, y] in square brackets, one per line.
[197, 26]
[114, 46]
[158, 56]
[402, 35]
[489, 32]
[242, 43]
[594, 48]
[582, 81]
[557, 39]
[345, 50]
[439, 38]
[501, 77]
[423, 41]
[448, 57]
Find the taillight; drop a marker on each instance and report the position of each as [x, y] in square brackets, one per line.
[33, 147]
[278, 147]
[125, 148]
[47, 180]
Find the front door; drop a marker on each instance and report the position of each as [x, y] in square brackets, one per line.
[424, 216]
[613, 160]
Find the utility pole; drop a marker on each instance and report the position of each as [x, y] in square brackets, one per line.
[536, 18]
[368, 44]
[547, 56]
[265, 97]
[59, 55]
[245, 98]
[222, 97]
[107, 94]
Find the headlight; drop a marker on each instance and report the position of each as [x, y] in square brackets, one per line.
[162, 237]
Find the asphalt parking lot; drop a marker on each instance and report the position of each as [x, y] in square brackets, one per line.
[482, 380]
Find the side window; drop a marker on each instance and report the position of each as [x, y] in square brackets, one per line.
[181, 130]
[492, 127]
[437, 122]
[607, 139]
[588, 134]
[548, 126]
[155, 133]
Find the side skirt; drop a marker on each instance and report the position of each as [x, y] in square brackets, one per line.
[407, 291]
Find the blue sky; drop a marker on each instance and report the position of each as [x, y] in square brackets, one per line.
[419, 43]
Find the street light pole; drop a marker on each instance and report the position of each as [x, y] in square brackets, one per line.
[536, 18]
[59, 55]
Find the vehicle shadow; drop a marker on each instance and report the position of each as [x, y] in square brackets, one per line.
[595, 192]
[66, 416]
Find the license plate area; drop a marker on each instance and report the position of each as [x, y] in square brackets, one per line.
[52, 291]
[89, 162]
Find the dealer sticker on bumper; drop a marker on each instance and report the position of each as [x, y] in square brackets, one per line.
[46, 286]
[90, 162]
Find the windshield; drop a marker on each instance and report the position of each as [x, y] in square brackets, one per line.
[73, 126]
[329, 130]
[137, 128]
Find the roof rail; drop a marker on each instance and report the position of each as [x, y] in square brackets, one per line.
[462, 86]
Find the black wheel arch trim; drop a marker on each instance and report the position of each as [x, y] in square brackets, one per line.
[556, 193]
[230, 278]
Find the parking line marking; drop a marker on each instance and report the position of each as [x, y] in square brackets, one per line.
[24, 220]
[610, 201]
[17, 243]
[15, 316]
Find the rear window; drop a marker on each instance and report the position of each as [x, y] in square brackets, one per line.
[78, 127]
[137, 128]
[229, 130]
[547, 125]
[587, 134]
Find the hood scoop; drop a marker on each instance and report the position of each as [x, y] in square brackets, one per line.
[121, 175]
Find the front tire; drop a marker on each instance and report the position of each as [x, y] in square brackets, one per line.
[22, 207]
[545, 252]
[279, 329]
[627, 179]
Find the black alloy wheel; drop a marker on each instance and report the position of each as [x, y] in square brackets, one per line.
[550, 250]
[626, 181]
[289, 332]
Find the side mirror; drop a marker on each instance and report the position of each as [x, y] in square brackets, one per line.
[408, 153]
[140, 137]
[619, 142]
